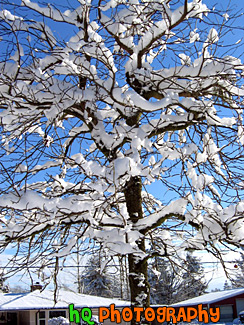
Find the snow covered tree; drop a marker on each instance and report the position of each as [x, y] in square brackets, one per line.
[227, 286]
[164, 280]
[3, 286]
[96, 280]
[193, 282]
[121, 122]
[171, 283]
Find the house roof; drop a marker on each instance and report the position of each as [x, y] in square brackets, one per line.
[45, 300]
[210, 298]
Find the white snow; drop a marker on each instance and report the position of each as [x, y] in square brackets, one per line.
[210, 298]
[45, 299]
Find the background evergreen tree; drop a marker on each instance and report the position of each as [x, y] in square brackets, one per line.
[3, 286]
[171, 282]
[227, 286]
[96, 280]
[193, 281]
[164, 282]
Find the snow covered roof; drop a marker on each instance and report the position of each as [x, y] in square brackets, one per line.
[45, 300]
[210, 298]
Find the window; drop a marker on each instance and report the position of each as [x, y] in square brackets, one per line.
[12, 318]
[57, 313]
[42, 318]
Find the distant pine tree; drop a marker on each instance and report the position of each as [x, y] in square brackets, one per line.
[227, 286]
[193, 280]
[164, 282]
[96, 281]
[3, 286]
[171, 283]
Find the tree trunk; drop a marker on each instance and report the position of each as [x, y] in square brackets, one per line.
[138, 278]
